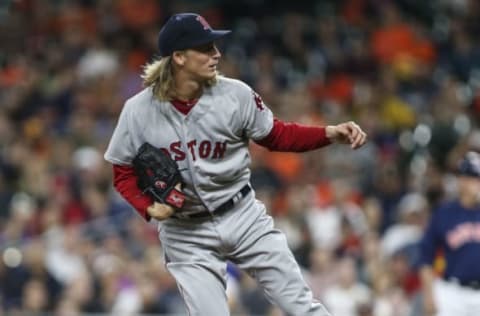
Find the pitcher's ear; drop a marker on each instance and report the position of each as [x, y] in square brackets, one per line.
[178, 57]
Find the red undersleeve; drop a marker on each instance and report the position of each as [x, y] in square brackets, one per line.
[294, 137]
[125, 182]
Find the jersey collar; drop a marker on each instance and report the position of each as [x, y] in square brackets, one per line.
[184, 107]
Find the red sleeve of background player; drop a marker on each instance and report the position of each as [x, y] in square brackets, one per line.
[294, 137]
[125, 182]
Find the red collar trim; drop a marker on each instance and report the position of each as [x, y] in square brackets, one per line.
[184, 106]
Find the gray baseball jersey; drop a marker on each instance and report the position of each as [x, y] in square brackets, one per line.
[210, 145]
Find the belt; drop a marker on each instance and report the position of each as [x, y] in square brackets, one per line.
[219, 210]
[473, 284]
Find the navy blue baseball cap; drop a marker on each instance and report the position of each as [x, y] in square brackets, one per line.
[186, 30]
[470, 165]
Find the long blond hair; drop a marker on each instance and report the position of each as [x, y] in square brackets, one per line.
[158, 74]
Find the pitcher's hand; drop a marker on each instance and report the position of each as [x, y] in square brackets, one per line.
[160, 211]
[346, 133]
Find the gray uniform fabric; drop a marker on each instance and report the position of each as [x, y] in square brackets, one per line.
[196, 250]
[210, 145]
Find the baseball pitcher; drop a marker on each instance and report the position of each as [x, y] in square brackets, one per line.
[180, 155]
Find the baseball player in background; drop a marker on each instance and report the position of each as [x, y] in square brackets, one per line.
[455, 228]
[205, 122]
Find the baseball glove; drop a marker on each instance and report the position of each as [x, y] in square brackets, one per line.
[158, 175]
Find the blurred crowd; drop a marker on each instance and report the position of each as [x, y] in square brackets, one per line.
[407, 71]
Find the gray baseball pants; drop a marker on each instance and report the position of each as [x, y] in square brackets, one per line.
[196, 252]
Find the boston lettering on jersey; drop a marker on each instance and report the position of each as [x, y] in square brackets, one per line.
[198, 149]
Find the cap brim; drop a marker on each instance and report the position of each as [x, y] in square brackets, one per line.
[212, 36]
[221, 32]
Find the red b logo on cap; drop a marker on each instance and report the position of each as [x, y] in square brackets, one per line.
[204, 22]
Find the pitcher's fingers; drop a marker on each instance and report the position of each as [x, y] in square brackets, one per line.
[360, 140]
[355, 133]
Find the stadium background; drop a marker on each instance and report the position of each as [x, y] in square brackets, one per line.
[407, 71]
